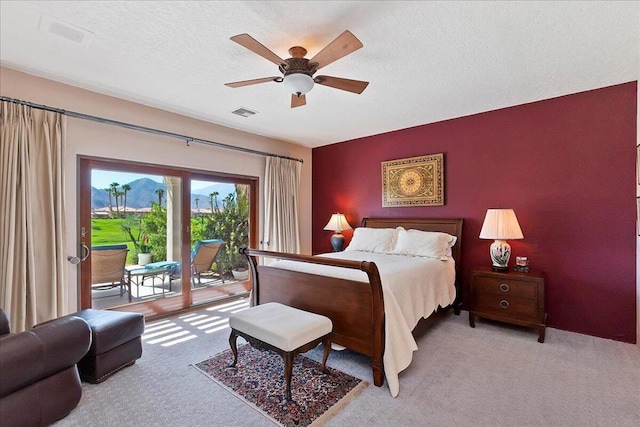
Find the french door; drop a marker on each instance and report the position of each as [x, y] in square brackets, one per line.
[173, 234]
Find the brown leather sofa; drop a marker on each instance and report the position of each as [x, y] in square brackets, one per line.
[39, 381]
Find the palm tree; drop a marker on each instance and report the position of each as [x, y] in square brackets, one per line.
[160, 193]
[197, 206]
[214, 197]
[114, 190]
[125, 189]
[110, 193]
[119, 195]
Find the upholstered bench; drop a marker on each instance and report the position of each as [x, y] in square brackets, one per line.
[283, 329]
[115, 343]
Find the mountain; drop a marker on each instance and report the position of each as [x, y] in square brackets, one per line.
[99, 198]
[143, 192]
[223, 191]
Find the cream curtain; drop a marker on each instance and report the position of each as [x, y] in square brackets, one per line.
[32, 230]
[281, 226]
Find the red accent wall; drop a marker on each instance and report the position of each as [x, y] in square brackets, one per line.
[566, 165]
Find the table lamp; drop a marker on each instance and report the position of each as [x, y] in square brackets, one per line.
[500, 225]
[337, 223]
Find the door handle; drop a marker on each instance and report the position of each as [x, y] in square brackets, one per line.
[85, 252]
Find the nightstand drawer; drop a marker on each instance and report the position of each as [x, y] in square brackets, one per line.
[509, 287]
[506, 306]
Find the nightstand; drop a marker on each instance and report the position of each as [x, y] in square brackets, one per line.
[516, 298]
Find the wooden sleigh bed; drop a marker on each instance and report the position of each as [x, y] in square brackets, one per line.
[356, 308]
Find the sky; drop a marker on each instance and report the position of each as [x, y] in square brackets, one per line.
[102, 179]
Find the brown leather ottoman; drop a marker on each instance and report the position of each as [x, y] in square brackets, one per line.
[115, 343]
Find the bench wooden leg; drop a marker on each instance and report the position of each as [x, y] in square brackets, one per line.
[326, 343]
[234, 348]
[288, 371]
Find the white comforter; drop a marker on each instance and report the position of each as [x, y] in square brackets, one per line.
[413, 288]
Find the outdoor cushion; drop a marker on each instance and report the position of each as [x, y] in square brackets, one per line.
[172, 267]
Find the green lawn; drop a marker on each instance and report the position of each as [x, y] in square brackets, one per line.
[108, 231]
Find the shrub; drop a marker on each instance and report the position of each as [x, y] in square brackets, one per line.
[231, 224]
[154, 225]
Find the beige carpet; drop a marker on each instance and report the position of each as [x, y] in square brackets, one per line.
[493, 375]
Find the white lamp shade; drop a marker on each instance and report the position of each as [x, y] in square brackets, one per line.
[337, 223]
[501, 224]
[298, 83]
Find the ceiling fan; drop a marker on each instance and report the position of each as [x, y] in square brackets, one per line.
[298, 71]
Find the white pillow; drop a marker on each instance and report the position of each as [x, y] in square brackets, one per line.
[379, 240]
[424, 243]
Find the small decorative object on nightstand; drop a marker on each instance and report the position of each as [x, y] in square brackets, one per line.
[516, 298]
[522, 264]
[337, 223]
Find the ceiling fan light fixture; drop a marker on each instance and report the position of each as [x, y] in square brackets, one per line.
[298, 83]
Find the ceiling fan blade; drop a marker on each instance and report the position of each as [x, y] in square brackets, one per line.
[252, 82]
[355, 86]
[343, 45]
[298, 100]
[256, 47]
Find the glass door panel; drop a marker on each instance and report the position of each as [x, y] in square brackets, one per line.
[219, 227]
[135, 231]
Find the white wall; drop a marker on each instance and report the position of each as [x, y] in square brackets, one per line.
[100, 140]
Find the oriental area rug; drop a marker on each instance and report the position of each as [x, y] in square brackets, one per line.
[258, 379]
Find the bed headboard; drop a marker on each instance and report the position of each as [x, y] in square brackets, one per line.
[451, 226]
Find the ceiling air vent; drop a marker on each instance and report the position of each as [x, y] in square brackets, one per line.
[70, 32]
[244, 112]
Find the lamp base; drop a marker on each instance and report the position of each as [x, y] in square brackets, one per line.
[500, 252]
[337, 242]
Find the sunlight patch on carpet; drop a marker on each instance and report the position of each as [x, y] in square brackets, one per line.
[258, 379]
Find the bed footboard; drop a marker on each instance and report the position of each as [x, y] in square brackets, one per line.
[355, 308]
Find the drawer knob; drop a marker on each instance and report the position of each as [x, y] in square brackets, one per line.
[504, 287]
[504, 303]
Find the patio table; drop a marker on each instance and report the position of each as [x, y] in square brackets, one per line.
[136, 275]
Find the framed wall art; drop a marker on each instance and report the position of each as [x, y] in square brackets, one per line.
[414, 181]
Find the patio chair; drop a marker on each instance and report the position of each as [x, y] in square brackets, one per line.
[107, 267]
[203, 256]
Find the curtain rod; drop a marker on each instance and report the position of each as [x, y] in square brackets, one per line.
[187, 139]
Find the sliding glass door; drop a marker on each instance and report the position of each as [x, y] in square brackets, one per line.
[156, 239]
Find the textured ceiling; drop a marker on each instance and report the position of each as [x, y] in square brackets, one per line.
[425, 61]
